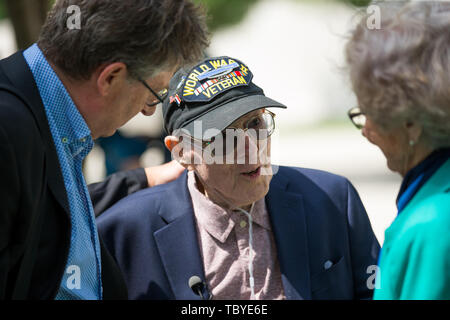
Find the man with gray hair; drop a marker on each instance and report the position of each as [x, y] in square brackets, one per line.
[75, 85]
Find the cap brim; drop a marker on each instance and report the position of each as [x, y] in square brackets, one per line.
[224, 115]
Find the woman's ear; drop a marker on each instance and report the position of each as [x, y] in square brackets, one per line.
[414, 132]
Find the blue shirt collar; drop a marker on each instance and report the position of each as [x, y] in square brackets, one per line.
[419, 175]
[68, 120]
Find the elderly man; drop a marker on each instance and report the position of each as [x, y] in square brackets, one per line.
[73, 86]
[231, 227]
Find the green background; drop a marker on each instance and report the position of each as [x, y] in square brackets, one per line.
[223, 12]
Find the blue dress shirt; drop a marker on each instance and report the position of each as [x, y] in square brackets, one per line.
[73, 141]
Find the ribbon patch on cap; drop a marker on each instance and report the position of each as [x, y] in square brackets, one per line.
[175, 98]
[213, 77]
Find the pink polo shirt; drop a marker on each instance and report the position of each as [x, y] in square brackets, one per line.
[224, 246]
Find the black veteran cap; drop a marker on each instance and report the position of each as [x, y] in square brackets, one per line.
[216, 91]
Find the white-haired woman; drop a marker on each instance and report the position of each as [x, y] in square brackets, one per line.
[401, 76]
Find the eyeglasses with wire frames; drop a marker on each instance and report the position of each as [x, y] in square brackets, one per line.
[259, 127]
[357, 117]
[160, 96]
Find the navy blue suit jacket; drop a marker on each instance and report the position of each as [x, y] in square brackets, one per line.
[316, 216]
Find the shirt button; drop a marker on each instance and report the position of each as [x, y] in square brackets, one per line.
[243, 224]
[83, 140]
[65, 140]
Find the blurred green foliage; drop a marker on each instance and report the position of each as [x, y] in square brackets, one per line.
[2, 10]
[223, 13]
[359, 3]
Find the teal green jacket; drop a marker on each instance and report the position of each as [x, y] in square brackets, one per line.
[415, 259]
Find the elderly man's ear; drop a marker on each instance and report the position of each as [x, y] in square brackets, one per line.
[183, 156]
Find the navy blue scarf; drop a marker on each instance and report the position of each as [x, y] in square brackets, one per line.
[417, 176]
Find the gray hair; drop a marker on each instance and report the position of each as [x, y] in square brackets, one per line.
[147, 35]
[401, 72]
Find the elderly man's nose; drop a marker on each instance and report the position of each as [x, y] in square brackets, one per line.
[251, 149]
[250, 142]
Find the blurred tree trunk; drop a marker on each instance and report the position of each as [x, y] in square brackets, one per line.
[27, 17]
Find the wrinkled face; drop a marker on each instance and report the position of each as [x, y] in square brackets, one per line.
[234, 184]
[392, 143]
[133, 98]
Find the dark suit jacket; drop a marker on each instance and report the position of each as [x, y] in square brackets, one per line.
[315, 216]
[31, 181]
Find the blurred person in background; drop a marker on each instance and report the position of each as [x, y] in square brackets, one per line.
[401, 76]
[73, 86]
[231, 221]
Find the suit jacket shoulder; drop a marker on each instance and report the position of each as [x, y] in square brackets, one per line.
[16, 119]
[136, 211]
[314, 184]
[129, 230]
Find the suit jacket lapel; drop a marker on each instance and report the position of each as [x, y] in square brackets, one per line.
[289, 226]
[177, 242]
[18, 72]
